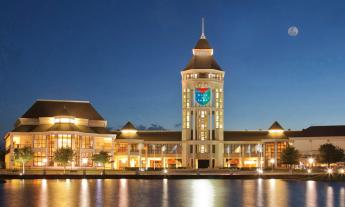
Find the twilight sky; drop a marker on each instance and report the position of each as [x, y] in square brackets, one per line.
[126, 56]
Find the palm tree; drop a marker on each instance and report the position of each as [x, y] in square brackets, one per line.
[23, 155]
[102, 157]
[63, 156]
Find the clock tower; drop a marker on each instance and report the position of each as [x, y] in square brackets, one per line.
[202, 108]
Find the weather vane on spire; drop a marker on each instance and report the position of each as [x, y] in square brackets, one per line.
[203, 28]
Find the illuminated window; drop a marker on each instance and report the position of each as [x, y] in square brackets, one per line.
[39, 158]
[40, 141]
[64, 141]
[64, 120]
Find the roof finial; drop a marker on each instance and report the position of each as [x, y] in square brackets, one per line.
[203, 28]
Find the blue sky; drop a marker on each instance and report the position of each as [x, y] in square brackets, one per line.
[126, 57]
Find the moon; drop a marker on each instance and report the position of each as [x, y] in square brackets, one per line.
[293, 31]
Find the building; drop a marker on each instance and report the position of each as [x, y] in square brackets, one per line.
[50, 124]
[202, 142]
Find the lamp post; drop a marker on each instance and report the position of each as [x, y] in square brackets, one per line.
[84, 161]
[45, 165]
[272, 163]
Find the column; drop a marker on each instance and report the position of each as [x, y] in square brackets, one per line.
[146, 154]
[242, 155]
[47, 147]
[11, 152]
[94, 146]
[112, 152]
[194, 122]
[128, 155]
[210, 124]
[275, 154]
[210, 153]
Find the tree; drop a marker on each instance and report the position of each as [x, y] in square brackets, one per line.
[23, 155]
[330, 154]
[2, 157]
[290, 156]
[63, 156]
[102, 157]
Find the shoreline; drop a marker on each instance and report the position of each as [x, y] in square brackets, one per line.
[313, 177]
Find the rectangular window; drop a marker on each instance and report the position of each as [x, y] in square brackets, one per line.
[191, 148]
[40, 141]
[213, 148]
[39, 158]
[64, 141]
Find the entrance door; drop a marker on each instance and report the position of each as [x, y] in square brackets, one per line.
[203, 163]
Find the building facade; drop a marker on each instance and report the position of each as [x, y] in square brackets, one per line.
[202, 142]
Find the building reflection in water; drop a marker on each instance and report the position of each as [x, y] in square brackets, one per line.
[329, 197]
[165, 194]
[342, 197]
[44, 193]
[272, 192]
[84, 193]
[311, 194]
[248, 191]
[202, 193]
[259, 193]
[123, 193]
[99, 192]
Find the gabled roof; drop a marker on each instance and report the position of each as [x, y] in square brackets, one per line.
[128, 126]
[276, 126]
[51, 108]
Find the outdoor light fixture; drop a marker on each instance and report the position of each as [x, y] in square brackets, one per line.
[311, 160]
[329, 170]
[84, 160]
[342, 171]
[309, 171]
[165, 171]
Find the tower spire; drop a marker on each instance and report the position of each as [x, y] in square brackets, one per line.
[203, 28]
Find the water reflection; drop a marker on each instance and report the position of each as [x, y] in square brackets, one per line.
[271, 193]
[125, 193]
[311, 194]
[84, 193]
[44, 193]
[342, 197]
[203, 193]
[165, 194]
[329, 198]
[259, 193]
[99, 192]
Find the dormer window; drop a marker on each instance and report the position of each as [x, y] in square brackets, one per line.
[64, 120]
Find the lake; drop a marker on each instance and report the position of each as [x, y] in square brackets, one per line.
[189, 192]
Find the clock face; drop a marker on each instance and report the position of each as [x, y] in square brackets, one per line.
[202, 95]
